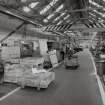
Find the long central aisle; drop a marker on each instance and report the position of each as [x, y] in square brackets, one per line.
[77, 87]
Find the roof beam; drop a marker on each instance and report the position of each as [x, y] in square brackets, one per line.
[13, 14]
[83, 10]
[11, 33]
[94, 29]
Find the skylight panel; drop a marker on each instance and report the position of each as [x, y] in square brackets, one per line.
[33, 4]
[51, 4]
[26, 9]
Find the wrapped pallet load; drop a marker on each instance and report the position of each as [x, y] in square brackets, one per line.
[36, 77]
[12, 72]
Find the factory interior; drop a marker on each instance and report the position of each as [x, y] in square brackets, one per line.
[52, 52]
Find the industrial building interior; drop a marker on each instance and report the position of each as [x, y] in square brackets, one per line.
[52, 52]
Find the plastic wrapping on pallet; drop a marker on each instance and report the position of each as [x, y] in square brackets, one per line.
[12, 72]
[26, 76]
[31, 61]
[41, 79]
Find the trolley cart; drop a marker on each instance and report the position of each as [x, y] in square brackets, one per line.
[71, 62]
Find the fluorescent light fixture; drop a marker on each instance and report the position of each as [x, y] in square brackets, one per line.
[62, 14]
[51, 4]
[26, 9]
[56, 18]
[33, 4]
[66, 17]
[45, 20]
[59, 22]
[50, 16]
[59, 8]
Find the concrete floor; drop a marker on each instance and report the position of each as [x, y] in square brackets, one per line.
[71, 87]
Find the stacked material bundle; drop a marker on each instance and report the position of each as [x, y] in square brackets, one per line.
[12, 52]
[32, 61]
[12, 72]
[27, 75]
[38, 79]
[15, 71]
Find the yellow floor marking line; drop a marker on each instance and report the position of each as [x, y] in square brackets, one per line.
[102, 92]
[10, 93]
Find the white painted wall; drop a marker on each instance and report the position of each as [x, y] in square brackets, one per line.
[16, 37]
